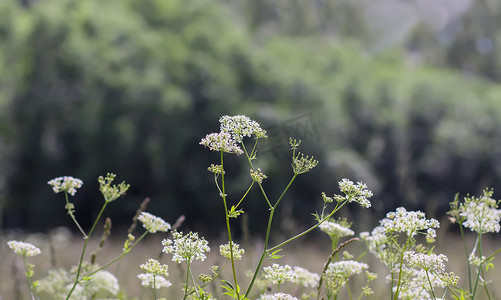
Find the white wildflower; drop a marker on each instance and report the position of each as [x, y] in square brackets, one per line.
[221, 141]
[66, 184]
[482, 215]
[153, 281]
[153, 223]
[354, 192]
[224, 249]
[428, 262]
[278, 296]
[409, 222]
[336, 230]
[241, 126]
[347, 268]
[153, 266]
[279, 274]
[104, 281]
[306, 278]
[186, 248]
[23, 248]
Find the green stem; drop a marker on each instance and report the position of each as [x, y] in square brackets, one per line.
[400, 269]
[28, 272]
[154, 286]
[77, 279]
[467, 255]
[228, 227]
[479, 244]
[187, 278]
[268, 230]
[70, 212]
[118, 257]
[337, 208]
[431, 286]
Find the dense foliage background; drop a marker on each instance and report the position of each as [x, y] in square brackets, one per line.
[407, 103]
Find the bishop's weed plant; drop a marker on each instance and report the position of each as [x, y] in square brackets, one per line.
[403, 241]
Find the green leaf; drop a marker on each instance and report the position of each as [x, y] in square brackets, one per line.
[274, 255]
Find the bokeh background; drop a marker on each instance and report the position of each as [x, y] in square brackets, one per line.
[403, 95]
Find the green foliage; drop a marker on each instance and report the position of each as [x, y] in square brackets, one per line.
[128, 85]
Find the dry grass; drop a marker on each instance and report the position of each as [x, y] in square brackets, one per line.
[309, 254]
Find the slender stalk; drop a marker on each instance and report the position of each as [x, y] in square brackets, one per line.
[479, 244]
[309, 229]
[118, 257]
[467, 255]
[70, 212]
[154, 286]
[77, 279]
[228, 227]
[187, 278]
[431, 286]
[400, 270]
[28, 273]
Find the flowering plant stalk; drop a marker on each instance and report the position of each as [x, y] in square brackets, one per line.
[481, 215]
[231, 140]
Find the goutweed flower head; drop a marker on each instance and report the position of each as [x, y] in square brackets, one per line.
[104, 282]
[354, 192]
[153, 223]
[224, 249]
[153, 281]
[408, 222]
[241, 126]
[415, 284]
[186, 247]
[23, 248]
[278, 296]
[306, 278]
[153, 266]
[346, 268]
[338, 229]
[481, 214]
[428, 262]
[221, 142]
[66, 184]
[279, 274]
[59, 282]
[111, 191]
[257, 175]
[302, 164]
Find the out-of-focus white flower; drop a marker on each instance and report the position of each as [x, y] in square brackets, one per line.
[186, 247]
[278, 296]
[153, 223]
[104, 281]
[224, 249]
[66, 184]
[481, 215]
[346, 268]
[23, 248]
[336, 230]
[305, 277]
[279, 274]
[153, 281]
[154, 267]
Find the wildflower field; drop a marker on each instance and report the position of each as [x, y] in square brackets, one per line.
[406, 256]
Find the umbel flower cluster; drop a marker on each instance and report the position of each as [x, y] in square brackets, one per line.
[233, 129]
